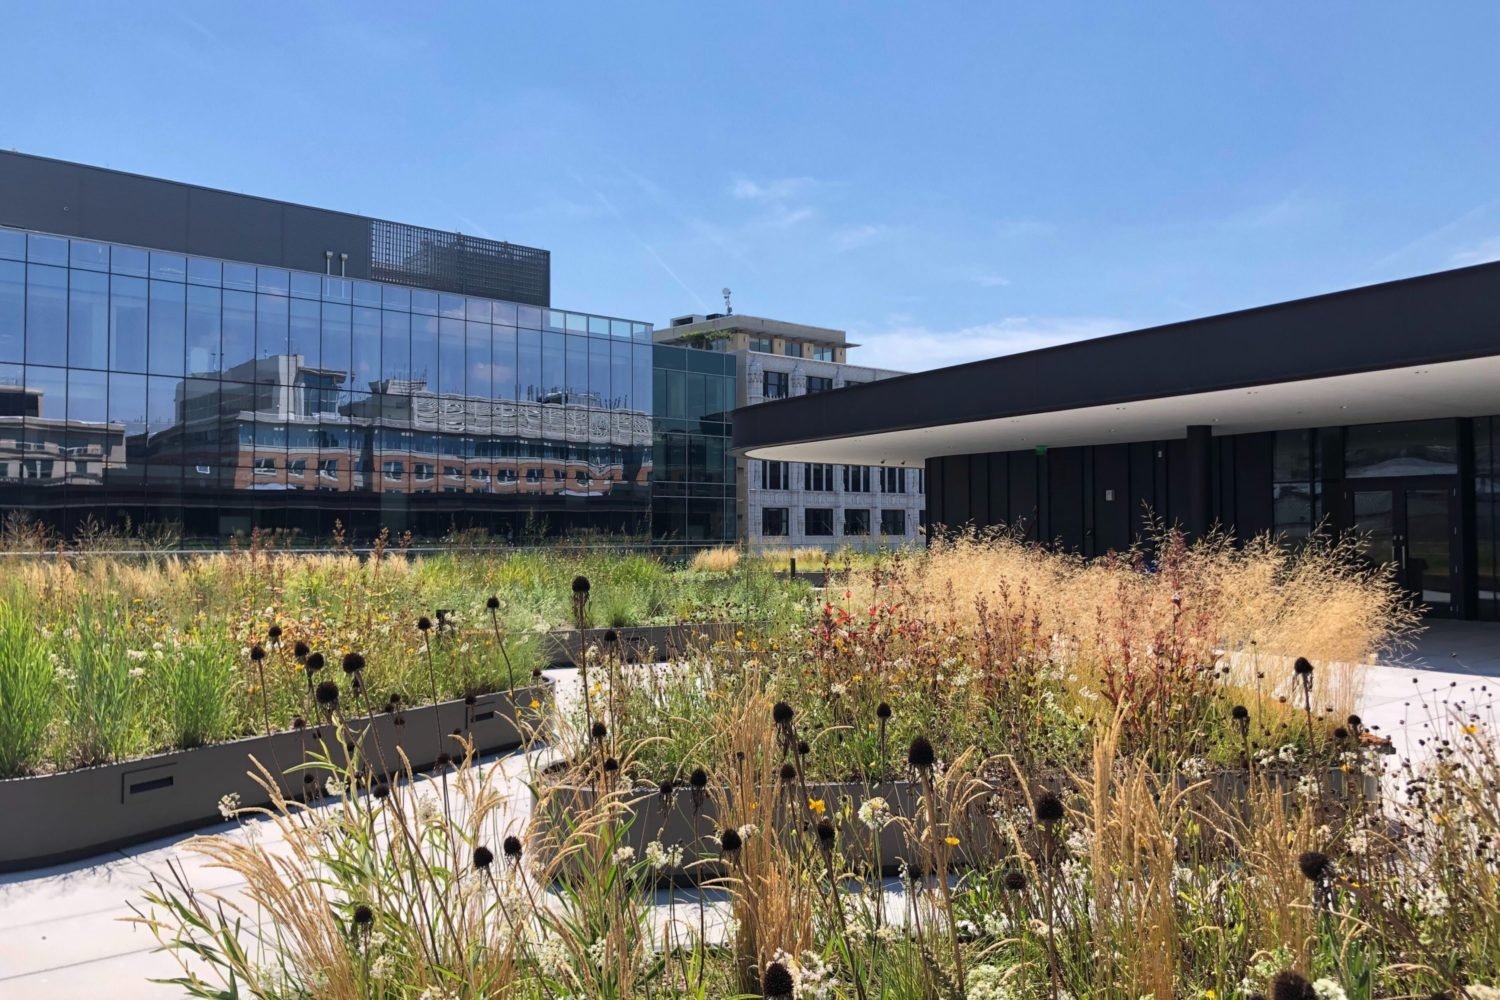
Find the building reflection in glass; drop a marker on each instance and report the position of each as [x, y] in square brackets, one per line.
[157, 387]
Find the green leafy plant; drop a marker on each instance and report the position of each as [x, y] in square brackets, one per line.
[27, 698]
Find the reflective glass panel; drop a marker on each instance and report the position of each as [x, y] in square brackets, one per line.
[168, 266]
[46, 314]
[1418, 448]
[47, 249]
[270, 326]
[88, 319]
[88, 255]
[203, 307]
[12, 310]
[12, 244]
[202, 271]
[129, 261]
[167, 324]
[450, 373]
[305, 334]
[238, 329]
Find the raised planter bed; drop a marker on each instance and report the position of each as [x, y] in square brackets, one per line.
[691, 820]
[637, 644]
[50, 818]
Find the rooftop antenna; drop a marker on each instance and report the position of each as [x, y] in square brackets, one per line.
[728, 309]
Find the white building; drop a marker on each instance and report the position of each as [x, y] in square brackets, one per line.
[799, 504]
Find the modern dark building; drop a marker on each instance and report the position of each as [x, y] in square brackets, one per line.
[218, 362]
[693, 472]
[1372, 410]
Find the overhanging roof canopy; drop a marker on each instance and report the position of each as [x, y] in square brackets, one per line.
[1405, 350]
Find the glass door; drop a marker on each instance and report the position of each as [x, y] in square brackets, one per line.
[1410, 525]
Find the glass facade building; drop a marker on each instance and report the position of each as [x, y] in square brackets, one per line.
[693, 492]
[149, 387]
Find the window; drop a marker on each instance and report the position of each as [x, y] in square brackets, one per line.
[265, 466]
[817, 521]
[773, 521]
[856, 522]
[818, 383]
[1295, 484]
[893, 480]
[452, 472]
[893, 522]
[821, 353]
[921, 480]
[532, 475]
[37, 468]
[422, 471]
[776, 385]
[762, 344]
[817, 477]
[296, 467]
[773, 476]
[856, 479]
[791, 349]
[393, 469]
[328, 468]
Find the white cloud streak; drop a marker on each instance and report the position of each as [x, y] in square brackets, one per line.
[914, 347]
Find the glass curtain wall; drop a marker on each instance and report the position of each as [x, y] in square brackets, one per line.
[693, 490]
[153, 387]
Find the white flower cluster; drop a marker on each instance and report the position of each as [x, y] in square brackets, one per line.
[624, 855]
[875, 812]
[229, 805]
[812, 978]
[1327, 989]
[747, 831]
[437, 993]
[987, 982]
[659, 856]
[1193, 768]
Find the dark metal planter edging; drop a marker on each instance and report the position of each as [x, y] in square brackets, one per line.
[690, 821]
[50, 818]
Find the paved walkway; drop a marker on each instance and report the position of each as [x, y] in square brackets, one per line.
[62, 935]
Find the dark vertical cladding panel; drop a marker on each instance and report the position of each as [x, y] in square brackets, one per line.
[1253, 455]
[1065, 497]
[234, 227]
[999, 510]
[307, 232]
[1023, 492]
[137, 210]
[956, 490]
[1177, 481]
[979, 486]
[1114, 507]
[1142, 498]
[934, 477]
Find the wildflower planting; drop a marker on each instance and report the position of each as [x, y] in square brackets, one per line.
[984, 771]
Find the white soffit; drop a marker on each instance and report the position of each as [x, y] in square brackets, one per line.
[1449, 389]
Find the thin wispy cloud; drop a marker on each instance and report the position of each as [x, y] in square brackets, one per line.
[776, 189]
[916, 347]
[1446, 231]
[619, 217]
[991, 281]
[1296, 208]
[1482, 253]
[854, 237]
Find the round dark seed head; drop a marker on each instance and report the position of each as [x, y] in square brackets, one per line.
[299, 723]
[328, 694]
[314, 662]
[1015, 880]
[363, 915]
[611, 636]
[483, 857]
[274, 633]
[1341, 733]
[803, 749]
[667, 788]
[1355, 722]
[580, 585]
[395, 698]
[729, 841]
[381, 791]
[883, 710]
[424, 623]
[598, 731]
[536, 673]
[611, 765]
[788, 772]
[1315, 865]
[1240, 713]
[920, 754]
[300, 650]
[444, 759]
[388, 708]
[1288, 985]
[257, 653]
[782, 713]
[826, 833]
[699, 778]
[493, 603]
[471, 700]
[1049, 808]
[1303, 666]
[777, 983]
[353, 663]
[512, 846]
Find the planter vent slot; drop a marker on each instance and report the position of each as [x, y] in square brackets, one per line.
[150, 785]
[484, 711]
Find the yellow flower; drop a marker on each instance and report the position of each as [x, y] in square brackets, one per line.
[535, 704]
[951, 840]
[1210, 995]
[1471, 730]
[817, 806]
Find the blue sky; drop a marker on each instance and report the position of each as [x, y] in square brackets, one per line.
[945, 181]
